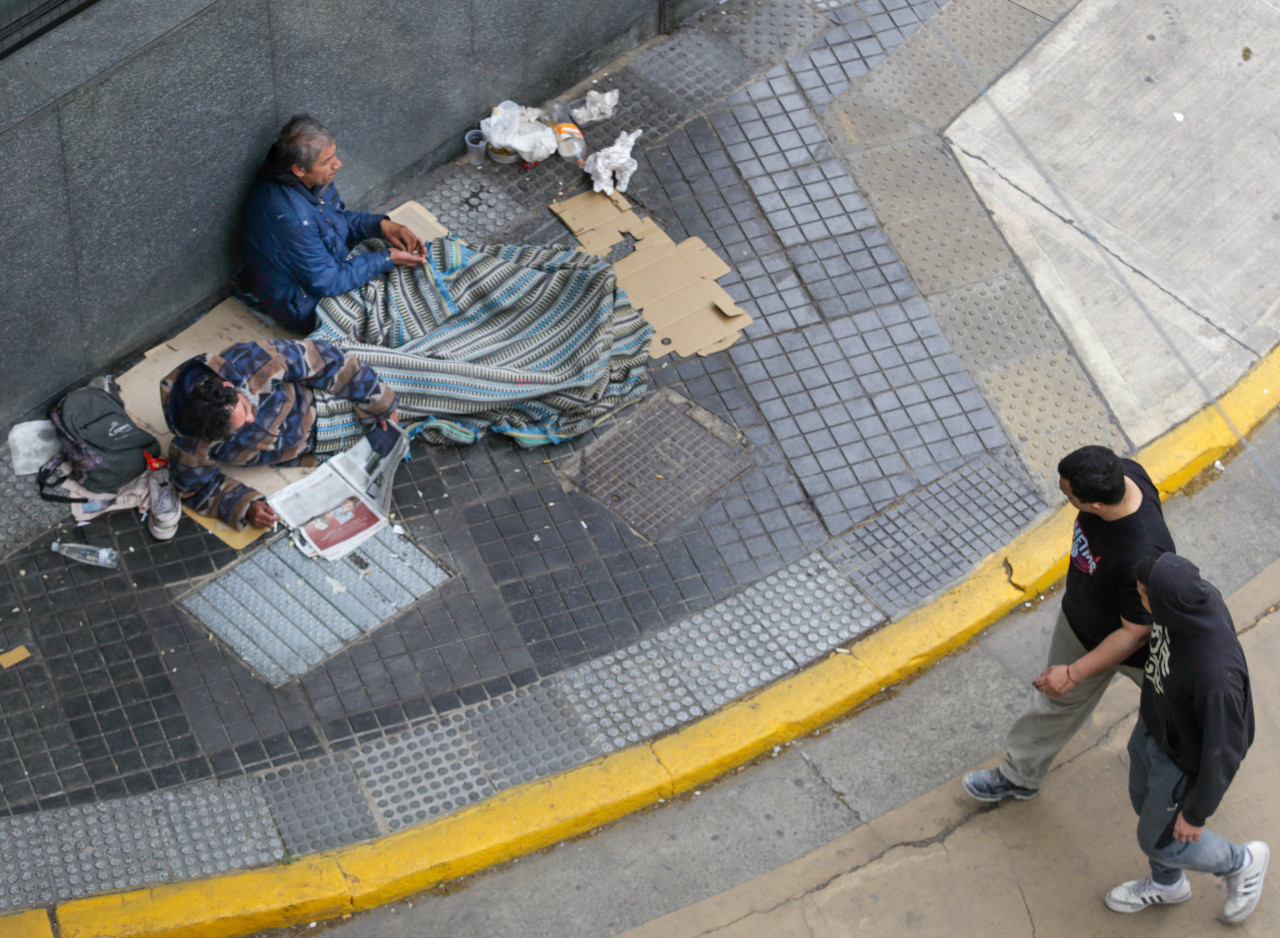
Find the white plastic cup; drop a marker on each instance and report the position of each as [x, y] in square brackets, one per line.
[475, 147]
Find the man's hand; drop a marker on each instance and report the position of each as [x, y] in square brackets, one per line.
[405, 259]
[401, 237]
[260, 514]
[1054, 681]
[1185, 832]
[392, 417]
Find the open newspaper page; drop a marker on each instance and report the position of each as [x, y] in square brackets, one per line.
[347, 500]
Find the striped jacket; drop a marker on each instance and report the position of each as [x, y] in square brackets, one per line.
[279, 378]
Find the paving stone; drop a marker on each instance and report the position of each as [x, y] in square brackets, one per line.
[765, 31]
[1003, 306]
[1049, 407]
[22, 513]
[424, 772]
[693, 65]
[216, 827]
[318, 805]
[856, 120]
[910, 178]
[530, 733]
[629, 696]
[933, 536]
[723, 653]
[811, 608]
[1049, 9]
[989, 35]
[26, 880]
[922, 80]
[951, 247]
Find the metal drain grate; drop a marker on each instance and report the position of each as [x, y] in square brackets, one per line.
[662, 465]
[284, 613]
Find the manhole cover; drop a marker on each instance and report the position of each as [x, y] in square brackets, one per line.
[660, 466]
[284, 613]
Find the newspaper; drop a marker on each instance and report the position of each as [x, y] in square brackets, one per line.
[346, 500]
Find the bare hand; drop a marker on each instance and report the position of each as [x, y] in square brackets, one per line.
[392, 417]
[1185, 832]
[1054, 681]
[402, 237]
[260, 514]
[405, 259]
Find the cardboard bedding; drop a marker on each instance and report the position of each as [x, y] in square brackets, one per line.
[537, 344]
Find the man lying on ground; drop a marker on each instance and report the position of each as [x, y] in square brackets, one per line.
[298, 234]
[277, 403]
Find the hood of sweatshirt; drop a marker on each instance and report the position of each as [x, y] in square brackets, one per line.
[1182, 601]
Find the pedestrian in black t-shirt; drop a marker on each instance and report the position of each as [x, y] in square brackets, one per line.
[1195, 724]
[1103, 627]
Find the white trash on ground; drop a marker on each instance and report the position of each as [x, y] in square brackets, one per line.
[611, 167]
[512, 127]
[597, 106]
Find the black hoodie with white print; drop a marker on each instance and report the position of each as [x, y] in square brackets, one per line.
[1195, 697]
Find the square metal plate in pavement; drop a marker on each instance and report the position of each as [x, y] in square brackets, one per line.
[660, 466]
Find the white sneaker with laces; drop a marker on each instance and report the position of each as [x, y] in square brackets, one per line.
[1138, 894]
[1244, 886]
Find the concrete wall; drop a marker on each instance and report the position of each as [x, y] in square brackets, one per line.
[129, 136]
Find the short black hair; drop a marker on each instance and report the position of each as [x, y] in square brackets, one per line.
[1094, 474]
[207, 413]
[1142, 572]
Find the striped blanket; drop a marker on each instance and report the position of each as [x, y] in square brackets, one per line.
[535, 343]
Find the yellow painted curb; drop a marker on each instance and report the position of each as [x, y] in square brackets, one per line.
[533, 816]
[32, 924]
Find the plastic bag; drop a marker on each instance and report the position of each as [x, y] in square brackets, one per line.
[511, 127]
[611, 167]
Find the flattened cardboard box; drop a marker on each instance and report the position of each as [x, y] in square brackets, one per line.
[227, 323]
[673, 285]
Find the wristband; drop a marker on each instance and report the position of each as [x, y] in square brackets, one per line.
[1069, 677]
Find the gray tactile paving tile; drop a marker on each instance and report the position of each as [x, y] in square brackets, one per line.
[530, 733]
[921, 80]
[939, 532]
[318, 805]
[989, 34]
[1048, 405]
[950, 247]
[723, 653]
[630, 695]
[1049, 9]
[23, 513]
[185, 833]
[1003, 306]
[765, 30]
[811, 608]
[421, 773]
[692, 65]
[910, 178]
[284, 614]
[657, 468]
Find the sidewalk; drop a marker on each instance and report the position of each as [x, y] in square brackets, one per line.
[898, 405]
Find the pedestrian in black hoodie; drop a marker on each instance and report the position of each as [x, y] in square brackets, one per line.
[1195, 724]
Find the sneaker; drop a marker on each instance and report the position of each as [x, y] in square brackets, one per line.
[1137, 894]
[166, 510]
[990, 785]
[1244, 886]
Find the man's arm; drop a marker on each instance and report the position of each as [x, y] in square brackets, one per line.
[1223, 742]
[319, 272]
[1111, 651]
[322, 365]
[206, 490]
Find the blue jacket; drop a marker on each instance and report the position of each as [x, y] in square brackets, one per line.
[296, 243]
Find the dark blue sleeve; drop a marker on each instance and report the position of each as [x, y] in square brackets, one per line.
[305, 256]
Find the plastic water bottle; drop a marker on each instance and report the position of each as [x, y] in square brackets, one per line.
[571, 146]
[87, 553]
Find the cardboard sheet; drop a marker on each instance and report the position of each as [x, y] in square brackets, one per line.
[673, 285]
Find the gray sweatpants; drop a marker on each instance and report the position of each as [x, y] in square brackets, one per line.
[1037, 736]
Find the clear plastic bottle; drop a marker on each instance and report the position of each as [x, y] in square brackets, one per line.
[571, 146]
[87, 553]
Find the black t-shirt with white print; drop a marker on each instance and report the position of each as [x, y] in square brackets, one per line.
[1100, 585]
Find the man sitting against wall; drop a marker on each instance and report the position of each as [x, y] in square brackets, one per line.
[298, 233]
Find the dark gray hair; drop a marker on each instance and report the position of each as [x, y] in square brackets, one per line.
[299, 144]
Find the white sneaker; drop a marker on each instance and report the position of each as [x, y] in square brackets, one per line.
[1244, 886]
[166, 510]
[1138, 894]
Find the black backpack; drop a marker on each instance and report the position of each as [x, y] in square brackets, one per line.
[105, 448]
